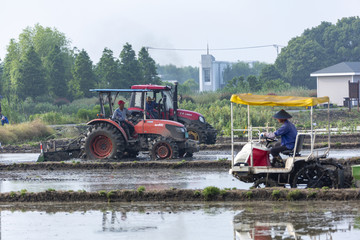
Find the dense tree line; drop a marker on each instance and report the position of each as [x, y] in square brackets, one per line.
[316, 48]
[41, 66]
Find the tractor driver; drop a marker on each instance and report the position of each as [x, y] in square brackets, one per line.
[120, 115]
[288, 133]
[151, 106]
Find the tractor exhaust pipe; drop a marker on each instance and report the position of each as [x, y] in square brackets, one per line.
[175, 101]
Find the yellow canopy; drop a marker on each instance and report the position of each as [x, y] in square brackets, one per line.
[272, 100]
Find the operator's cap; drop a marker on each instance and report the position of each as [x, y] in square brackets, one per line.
[282, 114]
[121, 102]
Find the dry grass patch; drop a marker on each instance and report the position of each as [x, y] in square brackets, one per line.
[29, 131]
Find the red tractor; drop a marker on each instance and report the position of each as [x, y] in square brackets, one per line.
[166, 102]
[107, 139]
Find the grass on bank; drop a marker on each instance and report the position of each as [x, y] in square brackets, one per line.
[24, 132]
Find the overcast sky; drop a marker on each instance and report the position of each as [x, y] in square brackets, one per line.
[177, 24]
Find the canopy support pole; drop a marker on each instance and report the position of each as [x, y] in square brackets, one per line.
[232, 136]
[312, 129]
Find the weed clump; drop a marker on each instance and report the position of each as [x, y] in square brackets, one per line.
[249, 194]
[141, 189]
[210, 192]
[294, 195]
[276, 194]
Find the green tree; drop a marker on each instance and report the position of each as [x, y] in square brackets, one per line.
[129, 67]
[148, 67]
[237, 85]
[31, 77]
[242, 69]
[269, 72]
[254, 84]
[189, 87]
[1, 73]
[107, 71]
[42, 40]
[10, 71]
[83, 76]
[56, 73]
[181, 74]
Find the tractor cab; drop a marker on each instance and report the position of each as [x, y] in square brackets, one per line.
[253, 164]
[161, 102]
[161, 98]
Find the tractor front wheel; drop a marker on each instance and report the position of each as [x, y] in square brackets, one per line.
[103, 141]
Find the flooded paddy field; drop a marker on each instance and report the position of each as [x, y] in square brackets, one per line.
[103, 179]
[42, 176]
[193, 220]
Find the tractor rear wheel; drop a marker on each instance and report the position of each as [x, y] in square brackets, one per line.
[196, 132]
[104, 141]
[163, 148]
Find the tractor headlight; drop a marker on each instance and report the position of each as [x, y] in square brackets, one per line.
[176, 131]
[180, 129]
[202, 119]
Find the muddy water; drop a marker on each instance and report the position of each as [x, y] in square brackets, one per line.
[10, 158]
[286, 220]
[96, 180]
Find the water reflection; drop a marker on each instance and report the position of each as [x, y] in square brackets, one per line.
[255, 221]
[302, 222]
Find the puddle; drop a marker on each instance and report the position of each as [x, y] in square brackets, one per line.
[317, 220]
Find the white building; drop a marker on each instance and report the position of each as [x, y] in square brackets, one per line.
[334, 81]
[211, 73]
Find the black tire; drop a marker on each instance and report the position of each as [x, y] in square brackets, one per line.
[103, 141]
[315, 176]
[163, 148]
[197, 132]
[211, 134]
[263, 183]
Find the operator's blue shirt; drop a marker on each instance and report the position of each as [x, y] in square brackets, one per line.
[288, 134]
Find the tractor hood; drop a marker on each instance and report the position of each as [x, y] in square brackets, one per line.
[189, 114]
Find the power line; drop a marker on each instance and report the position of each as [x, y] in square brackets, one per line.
[213, 49]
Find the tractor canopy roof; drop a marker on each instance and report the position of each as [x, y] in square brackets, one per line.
[151, 87]
[119, 90]
[272, 100]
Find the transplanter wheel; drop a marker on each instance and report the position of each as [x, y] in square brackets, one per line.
[315, 176]
[264, 182]
[163, 148]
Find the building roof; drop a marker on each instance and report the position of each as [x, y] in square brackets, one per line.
[340, 69]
